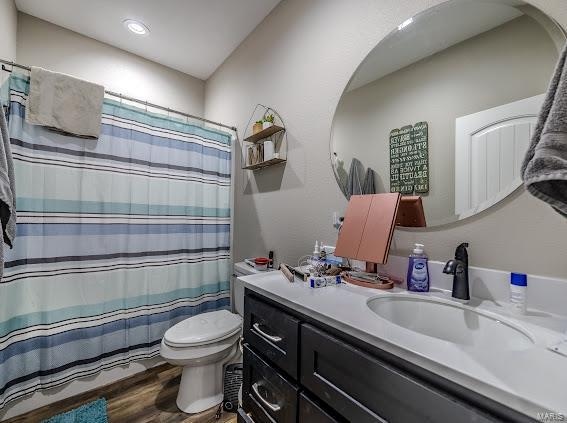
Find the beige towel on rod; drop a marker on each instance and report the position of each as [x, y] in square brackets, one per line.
[64, 103]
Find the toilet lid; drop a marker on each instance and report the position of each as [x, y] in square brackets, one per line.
[203, 329]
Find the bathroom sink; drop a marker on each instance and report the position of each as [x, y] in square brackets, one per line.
[450, 321]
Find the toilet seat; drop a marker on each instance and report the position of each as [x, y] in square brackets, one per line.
[203, 329]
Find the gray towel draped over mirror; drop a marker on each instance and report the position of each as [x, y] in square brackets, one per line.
[544, 170]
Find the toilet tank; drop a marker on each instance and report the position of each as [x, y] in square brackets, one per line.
[237, 287]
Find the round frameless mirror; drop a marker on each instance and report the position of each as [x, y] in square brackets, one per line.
[443, 108]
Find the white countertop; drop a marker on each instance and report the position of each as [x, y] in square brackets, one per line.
[530, 381]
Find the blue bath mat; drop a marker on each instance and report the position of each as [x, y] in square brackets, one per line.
[92, 412]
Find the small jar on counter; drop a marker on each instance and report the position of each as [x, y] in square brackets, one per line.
[518, 292]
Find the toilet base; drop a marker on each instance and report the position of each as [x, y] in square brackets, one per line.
[201, 387]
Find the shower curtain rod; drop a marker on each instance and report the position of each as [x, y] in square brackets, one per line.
[128, 98]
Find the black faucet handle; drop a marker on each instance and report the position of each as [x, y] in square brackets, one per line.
[461, 252]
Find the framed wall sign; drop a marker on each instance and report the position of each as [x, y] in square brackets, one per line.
[409, 159]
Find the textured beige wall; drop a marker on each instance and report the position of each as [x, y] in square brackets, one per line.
[8, 23]
[437, 90]
[41, 43]
[299, 61]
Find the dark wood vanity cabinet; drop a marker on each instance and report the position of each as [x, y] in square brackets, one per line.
[297, 369]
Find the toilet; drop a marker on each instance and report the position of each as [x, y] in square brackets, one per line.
[203, 345]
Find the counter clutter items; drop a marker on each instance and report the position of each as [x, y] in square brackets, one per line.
[322, 281]
[259, 263]
[286, 272]
[371, 280]
[323, 269]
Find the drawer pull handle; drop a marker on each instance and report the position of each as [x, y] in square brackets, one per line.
[274, 407]
[272, 338]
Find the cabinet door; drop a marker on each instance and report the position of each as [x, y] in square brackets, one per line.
[362, 388]
[267, 395]
[273, 332]
[310, 412]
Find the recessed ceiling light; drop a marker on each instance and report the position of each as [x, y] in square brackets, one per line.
[136, 27]
[405, 23]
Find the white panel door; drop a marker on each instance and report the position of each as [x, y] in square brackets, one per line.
[489, 148]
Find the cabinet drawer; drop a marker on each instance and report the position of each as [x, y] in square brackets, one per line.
[273, 332]
[310, 412]
[266, 394]
[242, 417]
[362, 388]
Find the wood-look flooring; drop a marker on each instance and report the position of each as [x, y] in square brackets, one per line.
[143, 398]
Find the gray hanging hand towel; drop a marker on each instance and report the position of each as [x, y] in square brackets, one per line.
[64, 103]
[7, 190]
[354, 185]
[369, 186]
[544, 170]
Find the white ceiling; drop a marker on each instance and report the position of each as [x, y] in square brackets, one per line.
[192, 36]
[429, 33]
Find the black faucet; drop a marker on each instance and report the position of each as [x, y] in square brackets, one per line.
[459, 268]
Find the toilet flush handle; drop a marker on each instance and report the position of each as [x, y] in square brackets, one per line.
[272, 338]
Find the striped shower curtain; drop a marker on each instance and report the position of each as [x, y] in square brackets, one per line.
[117, 240]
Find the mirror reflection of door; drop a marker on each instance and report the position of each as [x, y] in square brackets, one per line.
[489, 149]
[461, 59]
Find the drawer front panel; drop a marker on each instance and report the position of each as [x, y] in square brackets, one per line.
[242, 417]
[267, 395]
[362, 388]
[309, 412]
[273, 332]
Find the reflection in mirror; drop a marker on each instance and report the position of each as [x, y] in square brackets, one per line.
[443, 108]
